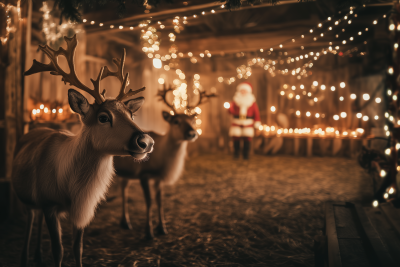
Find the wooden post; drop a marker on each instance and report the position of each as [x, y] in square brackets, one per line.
[12, 64]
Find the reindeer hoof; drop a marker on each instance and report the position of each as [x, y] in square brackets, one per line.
[38, 257]
[149, 236]
[161, 230]
[125, 225]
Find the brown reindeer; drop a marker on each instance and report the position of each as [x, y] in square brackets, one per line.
[60, 173]
[165, 165]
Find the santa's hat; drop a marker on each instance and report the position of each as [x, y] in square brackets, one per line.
[245, 86]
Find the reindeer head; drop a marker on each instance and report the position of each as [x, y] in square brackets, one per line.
[181, 125]
[107, 123]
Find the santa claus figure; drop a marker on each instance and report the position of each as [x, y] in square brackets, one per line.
[246, 117]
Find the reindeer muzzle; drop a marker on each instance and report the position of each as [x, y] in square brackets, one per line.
[191, 135]
[141, 143]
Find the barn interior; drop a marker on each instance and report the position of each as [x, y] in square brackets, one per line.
[322, 178]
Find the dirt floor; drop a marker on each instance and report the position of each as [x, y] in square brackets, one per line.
[221, 213]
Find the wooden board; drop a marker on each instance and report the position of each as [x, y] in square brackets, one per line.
[352, 239]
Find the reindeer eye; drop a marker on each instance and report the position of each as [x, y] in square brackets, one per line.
[103, 119]
[175, 122]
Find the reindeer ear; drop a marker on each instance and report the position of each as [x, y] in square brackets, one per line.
[135, 104]
[78, 102]
[166, 116]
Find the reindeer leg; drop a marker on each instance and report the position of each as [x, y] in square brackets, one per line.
[38, 251]
[53, 224]
[28, 233]
[161, 229]
[125, 222]
[78, 246]
[144, 182]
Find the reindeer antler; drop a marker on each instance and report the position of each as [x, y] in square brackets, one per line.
[203, 97]
[120, 62]
[163, 94]
[71, 77]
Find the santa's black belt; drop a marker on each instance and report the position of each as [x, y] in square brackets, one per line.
[237, 117]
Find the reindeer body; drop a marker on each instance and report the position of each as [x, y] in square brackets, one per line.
[62, 169]
[165, 166]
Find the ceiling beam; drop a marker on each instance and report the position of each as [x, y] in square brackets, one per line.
[134, 20]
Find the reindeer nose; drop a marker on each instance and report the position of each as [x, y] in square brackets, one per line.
[142, 143]
[191, 135]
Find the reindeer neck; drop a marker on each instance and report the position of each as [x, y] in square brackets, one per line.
[83, 156]
[173, 143]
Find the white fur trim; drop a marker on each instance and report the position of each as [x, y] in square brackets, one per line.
[248, 131]
[244, 86]
[237, 131]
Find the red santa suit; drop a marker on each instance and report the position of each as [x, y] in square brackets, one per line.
[246, 115]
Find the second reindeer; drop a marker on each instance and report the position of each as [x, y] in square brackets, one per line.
[165, 165]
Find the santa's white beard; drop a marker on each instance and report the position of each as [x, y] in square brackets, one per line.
[244, 102]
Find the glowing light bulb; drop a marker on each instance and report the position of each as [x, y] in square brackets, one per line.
[308, 113]
[333, 88]
[353, 96]
[387, 151]
[273, 109]
[378, 100]
[315, 83]
[366, 97]
[376, 117]
[323, 87]
[161, 81]
[382, 173]
[336, 117]
[157, 63]
[227, 105]
[359, 115]
[375, 203]
[343, 114]
[391, 190]
[365, 118]
[342, 85]
[298, 113]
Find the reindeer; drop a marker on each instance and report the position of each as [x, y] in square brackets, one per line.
[165, 165]
[60, 173]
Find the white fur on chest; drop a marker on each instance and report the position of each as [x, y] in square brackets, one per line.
[175, 167]
[84, 200]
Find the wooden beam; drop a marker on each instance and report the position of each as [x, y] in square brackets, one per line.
[165, 14]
